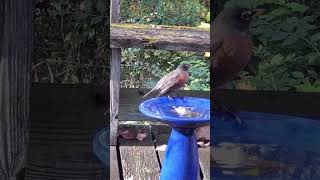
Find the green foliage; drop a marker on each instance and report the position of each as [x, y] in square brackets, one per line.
[70, 43]
[287, 48]
[200, 74]
[164, 12]
[143, 68]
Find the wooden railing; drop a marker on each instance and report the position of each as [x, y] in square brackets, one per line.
[160, 37]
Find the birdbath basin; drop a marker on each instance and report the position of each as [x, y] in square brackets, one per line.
[100, 145]
[184, 115]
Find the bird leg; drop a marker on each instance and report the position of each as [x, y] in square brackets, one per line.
[170, 98]
[228, 112]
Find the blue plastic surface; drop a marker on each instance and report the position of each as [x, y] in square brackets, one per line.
[162, 109]
[100, 145]
[270, 139]
[181, 159]
[184, 114]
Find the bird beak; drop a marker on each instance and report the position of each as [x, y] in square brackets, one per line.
[258, 12]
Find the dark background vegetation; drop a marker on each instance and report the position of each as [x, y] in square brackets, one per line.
[287, 44]
[71, 43]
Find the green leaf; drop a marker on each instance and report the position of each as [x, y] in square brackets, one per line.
[315, 37]
[96, 20]
[68, 37]
[290, 40]
[312, 58]
[278, 35]
[296, 7]
[88, 6]
[280, 12]
[308, 88]
[276, 59]
[208, 17]
[288, 25]
[298, 75]
[56, 5]
[313, 74]
[74, 79]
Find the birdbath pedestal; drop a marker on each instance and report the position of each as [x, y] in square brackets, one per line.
[183, 115]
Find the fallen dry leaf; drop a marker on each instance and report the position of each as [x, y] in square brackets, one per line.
[162, 148]
[127, 134]
[203, 133]
[203, 144]
[141, 136]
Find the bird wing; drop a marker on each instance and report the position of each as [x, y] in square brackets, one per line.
[168, 81]
[217, 43]
[230, 59]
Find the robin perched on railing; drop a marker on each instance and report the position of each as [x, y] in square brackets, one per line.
[172, 81]
[232, 45]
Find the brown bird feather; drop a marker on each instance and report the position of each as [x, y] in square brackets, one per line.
[172, 81]
[232, 44]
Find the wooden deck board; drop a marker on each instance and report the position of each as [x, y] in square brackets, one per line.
[61, 133]
[204, 157]
[114, 165]
[161, 135]
[139, 158]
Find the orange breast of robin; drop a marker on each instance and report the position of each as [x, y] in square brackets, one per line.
[231, 58]
[182, 79]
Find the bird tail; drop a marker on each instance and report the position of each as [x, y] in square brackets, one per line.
[151, 91]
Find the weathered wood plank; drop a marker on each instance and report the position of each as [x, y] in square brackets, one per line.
[160, 37]
[114, 78]
[139, 158]
[161, 135]
[204, 156]
[282, 102]
[64, 152]
[131, 98]
[114, 170]
[16, 47]
[62, 127]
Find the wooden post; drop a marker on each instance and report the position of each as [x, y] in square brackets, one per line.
[16, 36]
[114, 95]
[114, 78]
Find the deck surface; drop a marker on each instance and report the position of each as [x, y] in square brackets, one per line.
[64, 119]
[63, 122]
[141, 160]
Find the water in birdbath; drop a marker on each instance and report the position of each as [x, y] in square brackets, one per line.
[177, 109]
[187, 111]
[273, 147]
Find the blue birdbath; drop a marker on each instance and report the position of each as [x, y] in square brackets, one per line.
[184, 115]
[100, 145]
